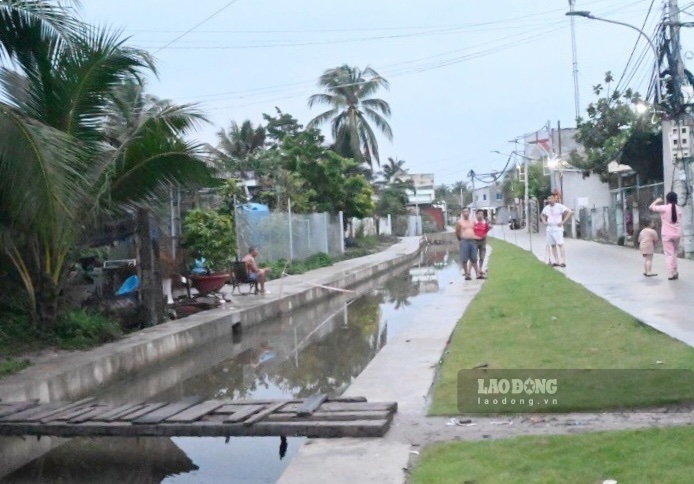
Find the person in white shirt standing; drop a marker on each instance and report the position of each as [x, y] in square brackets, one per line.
[554, 216]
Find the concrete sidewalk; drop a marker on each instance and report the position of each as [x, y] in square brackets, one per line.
[616, 274]
[403, 371]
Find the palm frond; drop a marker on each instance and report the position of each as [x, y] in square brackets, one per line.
[90, 73]
[380, 122]
[26, 25]
[377, 105]
[368, 141]
[41, 173]
[322, 118]
[321, 98]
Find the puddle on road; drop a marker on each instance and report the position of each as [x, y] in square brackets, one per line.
[320, 349]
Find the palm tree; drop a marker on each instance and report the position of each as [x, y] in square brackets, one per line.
[237, 146]
[65, 154]
[348, 92]
[392, 169]
[27, 24]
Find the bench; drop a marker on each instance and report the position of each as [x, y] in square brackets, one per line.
[239, 277]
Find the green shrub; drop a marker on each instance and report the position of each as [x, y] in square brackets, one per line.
[9, 365]
[315, 261]
[80, 329]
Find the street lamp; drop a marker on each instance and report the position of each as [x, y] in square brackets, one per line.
[586, 14]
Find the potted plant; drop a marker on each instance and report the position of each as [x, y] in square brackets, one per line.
[211, 236]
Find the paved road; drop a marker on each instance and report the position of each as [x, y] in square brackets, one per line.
[616, 274]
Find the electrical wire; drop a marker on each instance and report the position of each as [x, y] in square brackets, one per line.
[638, 38]
[229, 4]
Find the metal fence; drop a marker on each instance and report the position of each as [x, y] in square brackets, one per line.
[619, 223]
[289, 236]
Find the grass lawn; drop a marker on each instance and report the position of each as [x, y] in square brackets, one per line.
[529, 315]
[644, 456]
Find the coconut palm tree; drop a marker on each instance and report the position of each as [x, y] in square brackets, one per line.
[61, 158]
[237, 145]
[393, 168]
[348, 92]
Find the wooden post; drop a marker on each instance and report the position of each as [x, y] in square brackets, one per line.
[151, 295]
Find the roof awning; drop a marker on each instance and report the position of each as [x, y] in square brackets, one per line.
[616, 167]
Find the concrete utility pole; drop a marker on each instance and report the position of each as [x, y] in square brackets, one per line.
[572, 4]
[677, 134]
[471, 174]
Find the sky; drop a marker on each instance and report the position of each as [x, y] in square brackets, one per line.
[466, 76]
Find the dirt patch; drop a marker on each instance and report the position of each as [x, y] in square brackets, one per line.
[423, 431]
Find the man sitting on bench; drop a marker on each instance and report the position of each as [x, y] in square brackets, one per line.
[255, 272]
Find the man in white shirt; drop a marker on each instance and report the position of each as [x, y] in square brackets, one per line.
[554, 216]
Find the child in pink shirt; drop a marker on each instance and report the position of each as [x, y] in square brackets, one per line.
[647, 240]
[671, 230]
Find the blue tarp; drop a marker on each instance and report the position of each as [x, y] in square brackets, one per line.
[255, 207]
[130, 285]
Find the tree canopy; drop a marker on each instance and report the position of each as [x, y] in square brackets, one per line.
[616, 131]
[349, 92]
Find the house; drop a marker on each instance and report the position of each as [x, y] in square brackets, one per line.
[487, 198]
[422, 199]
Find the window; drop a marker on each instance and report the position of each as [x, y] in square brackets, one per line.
[498, 197]
[484, 197]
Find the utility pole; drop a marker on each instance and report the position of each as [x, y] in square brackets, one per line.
[676, 130]
[572, 4]
[471, 174]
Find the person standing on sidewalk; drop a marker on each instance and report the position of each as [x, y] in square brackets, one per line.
[481, 229]
[647, 240]
[465, 231]
[554, 216]
[670, 230]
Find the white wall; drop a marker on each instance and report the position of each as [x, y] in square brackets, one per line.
[574, 186]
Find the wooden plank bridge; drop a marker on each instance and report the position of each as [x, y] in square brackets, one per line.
[315, 416]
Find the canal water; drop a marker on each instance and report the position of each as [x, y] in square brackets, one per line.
[320, 349]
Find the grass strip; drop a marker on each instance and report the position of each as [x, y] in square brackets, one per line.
[530, 316]
[653, 455]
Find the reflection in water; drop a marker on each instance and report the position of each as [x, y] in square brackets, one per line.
[316, 350]
[283, 447]
[143, 460]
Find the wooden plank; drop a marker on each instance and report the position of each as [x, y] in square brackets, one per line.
[358, 428]
[94, 414]
[196, 412]
[329, 416]
[168, 410]
[231, 408]
[242, 414]
[311, 404]
[347, 399]
[352, 407]
[264, 413]
[68, 414]
[292, 405]
[33, 411]
[15, 407]
[265, 401]
[64, 408]
[144, 410]
[117, 412]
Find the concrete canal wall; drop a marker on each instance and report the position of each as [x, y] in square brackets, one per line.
[73, 375]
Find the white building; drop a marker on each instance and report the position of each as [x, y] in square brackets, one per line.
[487, 198]
[424, 188]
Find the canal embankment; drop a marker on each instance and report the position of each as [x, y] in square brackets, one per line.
[72, 375]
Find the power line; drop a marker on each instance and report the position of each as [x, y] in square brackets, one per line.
[638, 38]
[197, 25]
